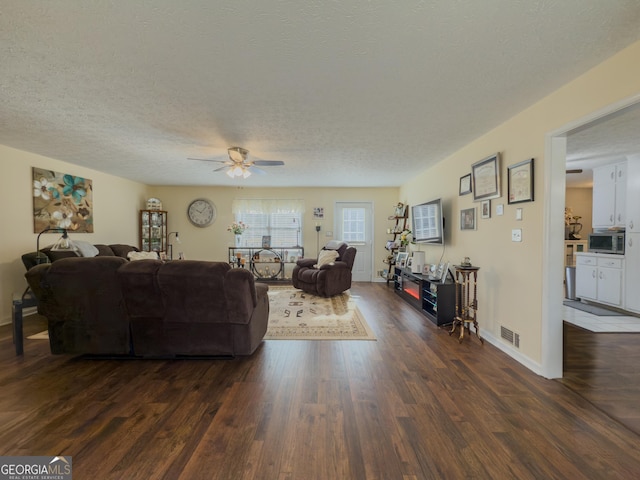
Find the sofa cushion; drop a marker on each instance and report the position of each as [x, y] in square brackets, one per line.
[120, 250]
[194, 291]
[59, 254]
[104, 250]
[140, 289]
[88, 310]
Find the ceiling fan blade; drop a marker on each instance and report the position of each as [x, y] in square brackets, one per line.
[577, 170]
[208, 160]
[268, 163]
[224, 167]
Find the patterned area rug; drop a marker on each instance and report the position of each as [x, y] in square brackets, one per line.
[296, 315]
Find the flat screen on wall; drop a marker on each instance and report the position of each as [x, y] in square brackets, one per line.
[427, 221]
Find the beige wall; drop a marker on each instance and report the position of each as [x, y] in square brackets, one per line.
[116, 204]
[211, 243]
[581, 202]
[510, 279]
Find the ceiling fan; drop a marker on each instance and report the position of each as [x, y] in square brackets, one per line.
[237, 164]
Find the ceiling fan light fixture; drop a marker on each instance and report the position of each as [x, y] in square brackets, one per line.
[237, 164]
[238, 171]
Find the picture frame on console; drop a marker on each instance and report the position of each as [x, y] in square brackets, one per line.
[401, 259]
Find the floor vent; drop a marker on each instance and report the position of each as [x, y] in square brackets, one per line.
[510, 336]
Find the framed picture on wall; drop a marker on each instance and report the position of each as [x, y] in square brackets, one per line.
[468, 219]
[465, 185]
[520, 182]
[485, 178]
[485, 209]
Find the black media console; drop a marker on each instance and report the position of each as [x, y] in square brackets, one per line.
[437, 301]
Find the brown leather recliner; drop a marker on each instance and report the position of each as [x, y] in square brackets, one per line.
[327, 280]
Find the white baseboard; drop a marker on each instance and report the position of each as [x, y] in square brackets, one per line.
[513, 352]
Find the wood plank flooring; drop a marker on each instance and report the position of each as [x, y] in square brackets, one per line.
[604, 368]
[412, 405]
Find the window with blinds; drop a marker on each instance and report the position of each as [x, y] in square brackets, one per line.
[283, 228]
[279, 219]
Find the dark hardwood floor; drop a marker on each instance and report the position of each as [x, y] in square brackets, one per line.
[414, 404]
[604, 368]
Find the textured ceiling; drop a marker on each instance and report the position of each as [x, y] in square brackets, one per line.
[614, 138]
[350, 93]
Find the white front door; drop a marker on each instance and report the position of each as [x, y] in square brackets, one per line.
[354, 225]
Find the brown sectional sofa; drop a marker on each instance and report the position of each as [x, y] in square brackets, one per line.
[105, 305]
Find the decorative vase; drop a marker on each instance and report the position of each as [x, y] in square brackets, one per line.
[238, 240]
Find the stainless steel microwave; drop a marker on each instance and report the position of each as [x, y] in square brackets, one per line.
[607, 242]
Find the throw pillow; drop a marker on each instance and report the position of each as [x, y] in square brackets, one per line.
[326, 257]
[85, 249]
[142, 256]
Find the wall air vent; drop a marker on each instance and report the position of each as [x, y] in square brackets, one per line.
[509, 335]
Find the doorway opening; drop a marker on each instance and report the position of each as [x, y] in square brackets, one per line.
[553, 247]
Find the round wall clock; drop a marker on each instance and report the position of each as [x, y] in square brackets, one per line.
[201, 212]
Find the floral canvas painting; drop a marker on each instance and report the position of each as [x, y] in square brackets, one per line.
[62, 200]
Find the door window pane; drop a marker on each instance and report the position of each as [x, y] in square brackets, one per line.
[353, 224]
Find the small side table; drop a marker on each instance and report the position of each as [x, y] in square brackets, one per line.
[28, 299]
[466, 306]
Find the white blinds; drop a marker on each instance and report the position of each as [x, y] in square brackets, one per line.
[267, 206]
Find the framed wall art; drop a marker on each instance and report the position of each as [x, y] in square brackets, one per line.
[465, 185]
[520, 182]
[485, 209]
[61, 200]
[485, 178]
[468, 219]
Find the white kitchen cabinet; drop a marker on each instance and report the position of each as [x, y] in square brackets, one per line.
[609, 196]
[599, 278]
[633, 196]
[610, 286]
[586, 277]
[632, 272]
